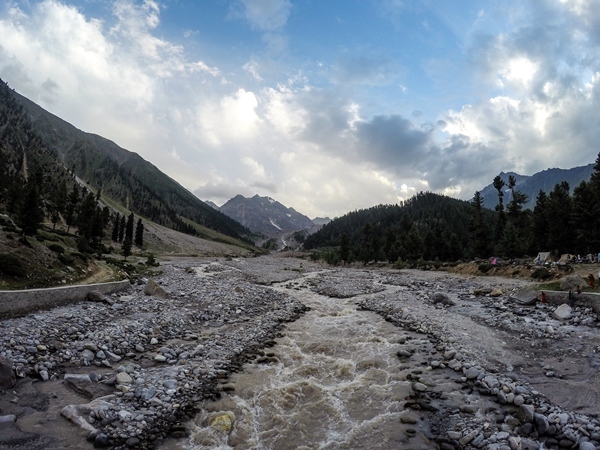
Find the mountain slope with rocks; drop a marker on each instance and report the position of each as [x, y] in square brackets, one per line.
[265, 215]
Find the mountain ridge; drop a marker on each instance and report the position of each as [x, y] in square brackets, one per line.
[265, 215]
[531, 185]
[126, 177]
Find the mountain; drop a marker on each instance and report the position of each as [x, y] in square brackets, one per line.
[321, 220]
[212, 205]
[124, 176]
[531, 185]
[265, 215]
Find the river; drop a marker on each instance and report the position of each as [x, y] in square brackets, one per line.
[336, 384]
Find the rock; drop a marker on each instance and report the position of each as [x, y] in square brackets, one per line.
[152, 288]
[419, 387]
[101, 441]
[471, 373]
[78, 414]
[160, 358]
[222, 421]
[442, 298]
[124, 378]
[525, 297]
[526, 413]
[496, 293]
[586, 446]
[7, 376]
[467, 438]
[571, 282]
[10, 418]
[563, 312]
[541, 423]
[95, 296]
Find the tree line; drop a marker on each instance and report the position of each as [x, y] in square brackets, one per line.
[435, 227]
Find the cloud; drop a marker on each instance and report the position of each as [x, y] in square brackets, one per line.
[263, 15]
[366, 69]
[267, 16]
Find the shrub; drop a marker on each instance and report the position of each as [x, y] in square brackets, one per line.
[541, 273]
[56, 248]
[10, 229]
[485, 267]
[65, 259]
[151, 261]
[81, 256]
[11, 265]
[399, 264]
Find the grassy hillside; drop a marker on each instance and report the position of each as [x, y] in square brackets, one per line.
[125, 176]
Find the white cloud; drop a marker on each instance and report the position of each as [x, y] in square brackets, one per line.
[263, 15]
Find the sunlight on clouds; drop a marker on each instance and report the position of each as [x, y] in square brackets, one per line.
[233, 119]
[520, 70]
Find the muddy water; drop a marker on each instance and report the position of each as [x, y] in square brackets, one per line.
[337, 384]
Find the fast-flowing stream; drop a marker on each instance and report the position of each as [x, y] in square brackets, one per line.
[336, 384]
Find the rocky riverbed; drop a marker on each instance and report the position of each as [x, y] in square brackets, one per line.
[474, 368]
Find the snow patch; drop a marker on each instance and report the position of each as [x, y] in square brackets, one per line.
[274, 224]
[289, 215]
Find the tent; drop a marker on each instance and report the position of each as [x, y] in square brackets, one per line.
[542, 258]
[566, 258]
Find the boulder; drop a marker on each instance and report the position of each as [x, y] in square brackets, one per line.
[563, 312]
[222, 421]
[440, 297]
[79, 414]
[571, 282]
[525, 297]
[151, 288]
[496, 293]
[95, 296]
[7, 376]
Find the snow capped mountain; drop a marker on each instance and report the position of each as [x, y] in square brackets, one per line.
[265, 215]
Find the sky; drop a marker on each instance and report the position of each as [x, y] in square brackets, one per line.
[327, 106]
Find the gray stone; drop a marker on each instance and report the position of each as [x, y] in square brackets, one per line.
[525, 297]
[541, 423]
[468, 438]
[7, 376]
[124, 378]
[440, 297]
[95, 296]
[526, 413]
[10, 418]
[563, 312]
[471, 373]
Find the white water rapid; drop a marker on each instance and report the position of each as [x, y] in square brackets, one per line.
[337, 385]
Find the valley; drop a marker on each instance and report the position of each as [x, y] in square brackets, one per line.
[280, 352]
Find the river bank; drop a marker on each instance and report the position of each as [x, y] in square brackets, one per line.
[160, 360]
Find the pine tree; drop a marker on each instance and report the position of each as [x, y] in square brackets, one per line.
[129, 228]
[559, 206]
[478, 233]
[126, 248]
[501, 221]
[115, 231]
[540, 221]
[122, 227]
[345, 247]
[71, 207]
[139, 233]
[30, 214]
